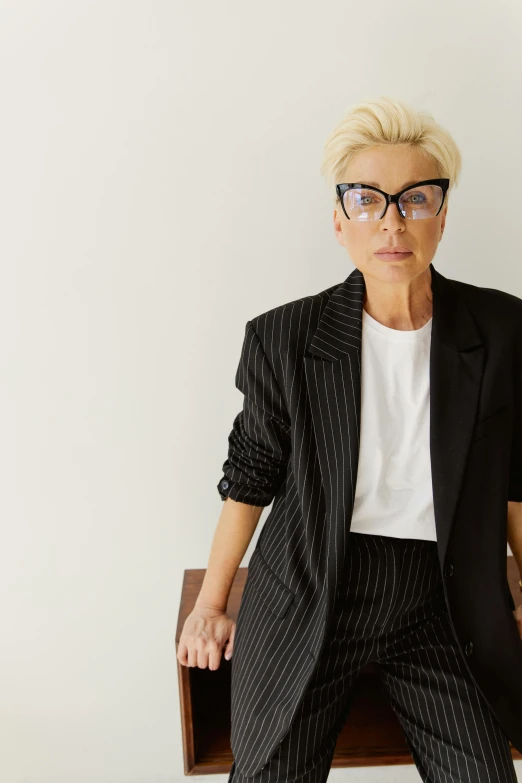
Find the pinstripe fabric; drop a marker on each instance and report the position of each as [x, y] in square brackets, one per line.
[390, 610]
[259, 443]
[295, 444]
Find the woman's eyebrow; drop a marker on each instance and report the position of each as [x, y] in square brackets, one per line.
[406, 184]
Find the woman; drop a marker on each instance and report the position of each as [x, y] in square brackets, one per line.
[382, 418]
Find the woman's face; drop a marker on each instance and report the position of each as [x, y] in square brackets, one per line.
[390, 168]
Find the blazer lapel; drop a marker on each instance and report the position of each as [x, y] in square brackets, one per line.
[332, 364]
[456, 369]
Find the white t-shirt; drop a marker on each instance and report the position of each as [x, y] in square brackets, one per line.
[393, 495]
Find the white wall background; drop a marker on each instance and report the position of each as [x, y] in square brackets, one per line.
[159, 186]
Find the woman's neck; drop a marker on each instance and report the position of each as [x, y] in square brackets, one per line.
[403, 306]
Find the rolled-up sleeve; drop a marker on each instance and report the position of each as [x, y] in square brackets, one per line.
[259, 442]
[515, 465]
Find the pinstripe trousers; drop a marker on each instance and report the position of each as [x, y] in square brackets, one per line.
[390, 609]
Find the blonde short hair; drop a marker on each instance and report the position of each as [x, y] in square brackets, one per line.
[388, 121]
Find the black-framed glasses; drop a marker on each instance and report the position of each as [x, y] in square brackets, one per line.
[416, 202]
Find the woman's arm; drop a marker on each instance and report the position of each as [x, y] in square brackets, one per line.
[514, 531]
[208, 631]
[259, 448]
[236, 525]
[514, 534]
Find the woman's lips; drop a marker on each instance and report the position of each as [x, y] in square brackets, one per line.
[387, 256]
[393, 249]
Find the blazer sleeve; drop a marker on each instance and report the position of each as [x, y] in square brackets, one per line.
[515, 465]
[259, 442]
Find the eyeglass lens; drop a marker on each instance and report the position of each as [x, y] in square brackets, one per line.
[414, 204]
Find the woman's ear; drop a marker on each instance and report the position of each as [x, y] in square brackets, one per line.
[443, 222]
[337, 226]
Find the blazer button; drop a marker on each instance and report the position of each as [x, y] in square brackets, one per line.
[448, 571]
[224, 484]
[468, 649]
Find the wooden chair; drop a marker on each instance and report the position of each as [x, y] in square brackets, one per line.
[372, 735]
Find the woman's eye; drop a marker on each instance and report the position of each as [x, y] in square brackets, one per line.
[421, 198]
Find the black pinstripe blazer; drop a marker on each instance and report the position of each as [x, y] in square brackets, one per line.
[296, 442]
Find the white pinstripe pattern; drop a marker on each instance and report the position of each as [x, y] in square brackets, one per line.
[295, 443]
[251, 481]
[390, 610]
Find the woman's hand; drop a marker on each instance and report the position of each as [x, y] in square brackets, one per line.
[206, 631]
